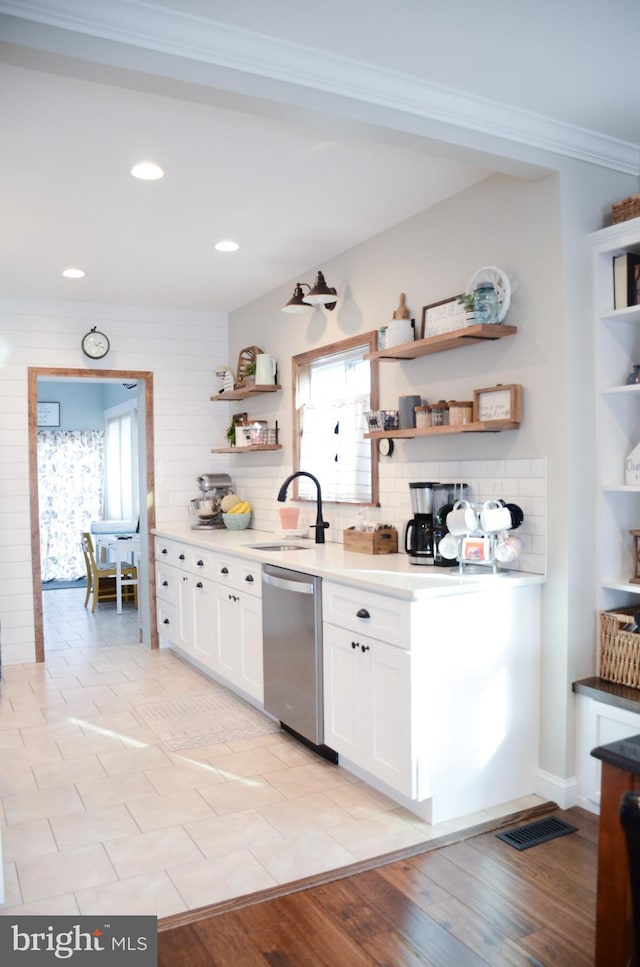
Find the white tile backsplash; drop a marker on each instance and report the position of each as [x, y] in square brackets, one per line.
[516, 481]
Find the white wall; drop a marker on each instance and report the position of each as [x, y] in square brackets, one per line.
[180, 348]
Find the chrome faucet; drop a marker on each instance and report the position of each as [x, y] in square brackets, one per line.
[320, 525]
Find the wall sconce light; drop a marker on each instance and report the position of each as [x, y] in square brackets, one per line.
[320, 295]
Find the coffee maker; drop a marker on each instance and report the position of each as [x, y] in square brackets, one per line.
[418, 534]
[444, 497]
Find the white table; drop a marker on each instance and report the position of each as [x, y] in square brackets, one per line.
[123, 550]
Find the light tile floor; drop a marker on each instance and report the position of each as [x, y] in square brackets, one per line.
[98, 817]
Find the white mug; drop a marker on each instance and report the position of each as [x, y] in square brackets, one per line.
[265, 370]
[462, 519]
[494, 516]
[449, 547]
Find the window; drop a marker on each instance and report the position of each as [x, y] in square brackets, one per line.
[333, 387]
[121, 463]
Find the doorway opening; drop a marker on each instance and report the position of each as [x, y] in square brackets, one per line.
[145, 475]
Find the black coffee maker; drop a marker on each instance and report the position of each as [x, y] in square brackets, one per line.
[418, 534]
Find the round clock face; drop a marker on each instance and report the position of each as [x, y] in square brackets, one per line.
[385, 447]
[95, 344]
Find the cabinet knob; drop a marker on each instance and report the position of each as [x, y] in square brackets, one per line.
[166, 621]
[200, 563]
[224, 570]
[164, 550]
[165, 584]
[364, 647]
[249, 578]
[184, 577]
[233, 597]
[199, 584]
[362, 613]
[354, 644]
[181, 558]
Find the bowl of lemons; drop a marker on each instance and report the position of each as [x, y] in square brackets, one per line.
[236, 513]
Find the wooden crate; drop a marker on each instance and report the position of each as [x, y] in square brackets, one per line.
[383, 541]
[619, 650]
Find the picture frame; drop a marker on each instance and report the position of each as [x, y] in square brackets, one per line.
[48, 414]
[443, 316]
[501, 403]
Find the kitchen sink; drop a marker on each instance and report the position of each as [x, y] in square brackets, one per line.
[277, 546]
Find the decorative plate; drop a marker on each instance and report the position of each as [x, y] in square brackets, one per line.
[490, 273]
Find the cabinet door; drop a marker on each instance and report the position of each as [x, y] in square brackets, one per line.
[249, 620]
[185, 612]
[389, 685]
[343, 695]
[203, 600]
[226, 655]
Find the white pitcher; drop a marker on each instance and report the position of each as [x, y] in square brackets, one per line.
[265, 370]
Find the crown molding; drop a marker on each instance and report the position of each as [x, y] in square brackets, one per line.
[146, 25]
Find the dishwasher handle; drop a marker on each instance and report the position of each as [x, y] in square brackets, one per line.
[299, 587]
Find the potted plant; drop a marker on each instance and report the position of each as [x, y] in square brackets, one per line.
[466, 300]
[249, 374]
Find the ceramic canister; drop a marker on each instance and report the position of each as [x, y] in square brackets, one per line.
[265, 370]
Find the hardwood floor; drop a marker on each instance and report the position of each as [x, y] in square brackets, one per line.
[471, 903]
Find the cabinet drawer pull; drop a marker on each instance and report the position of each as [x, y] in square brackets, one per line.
[249, 578]
[181, 557]
[165, 584]
[164, 550]
[233, 597]
[200, 563]
[364, 647]
[184, 577]
[199, 584]
[166, 621]
[362, 613]
[355, 644]
[224, 570]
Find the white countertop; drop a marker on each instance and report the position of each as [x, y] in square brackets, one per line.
[390, 574]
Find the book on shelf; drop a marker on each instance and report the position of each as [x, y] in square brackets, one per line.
[626, 279]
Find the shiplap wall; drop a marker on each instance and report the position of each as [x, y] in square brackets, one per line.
[181, 348]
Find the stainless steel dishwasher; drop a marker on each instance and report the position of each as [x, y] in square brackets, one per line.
[292, 636]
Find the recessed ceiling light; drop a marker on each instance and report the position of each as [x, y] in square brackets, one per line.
[74, 274]
[226, 246]
[147, 171]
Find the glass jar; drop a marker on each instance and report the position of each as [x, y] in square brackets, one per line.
[439, 413]
[485, 304]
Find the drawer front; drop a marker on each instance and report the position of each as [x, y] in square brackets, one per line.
[366, 612]
[167, 624]
[171, 552]
[200, 562]
[240, 575]
[166, 583]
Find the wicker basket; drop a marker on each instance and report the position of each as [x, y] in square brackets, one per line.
[619, 650]
[622, 211]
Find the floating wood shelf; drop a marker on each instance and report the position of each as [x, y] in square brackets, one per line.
[249, 449]
[243, 394]
[446, 340]
[487, 426]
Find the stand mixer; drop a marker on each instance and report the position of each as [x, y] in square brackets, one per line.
[213, 487]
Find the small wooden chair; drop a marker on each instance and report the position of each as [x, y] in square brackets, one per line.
[101, 578]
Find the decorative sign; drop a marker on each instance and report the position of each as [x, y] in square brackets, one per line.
[48, 414]
[498, 403]
[442, 317]
[632, 468]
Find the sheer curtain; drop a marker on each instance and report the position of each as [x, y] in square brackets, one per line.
[71, 491]
[121, 465]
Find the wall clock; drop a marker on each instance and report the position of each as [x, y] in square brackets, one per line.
[95, 344]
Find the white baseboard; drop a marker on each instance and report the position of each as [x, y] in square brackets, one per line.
[556, 789]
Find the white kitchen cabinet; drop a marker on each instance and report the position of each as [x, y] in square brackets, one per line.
[444, 718]
[617, 349]
[598, 723]
[367, 687]
[238, 640]
[186, 599]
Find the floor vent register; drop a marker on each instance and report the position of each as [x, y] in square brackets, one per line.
[534, 833]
